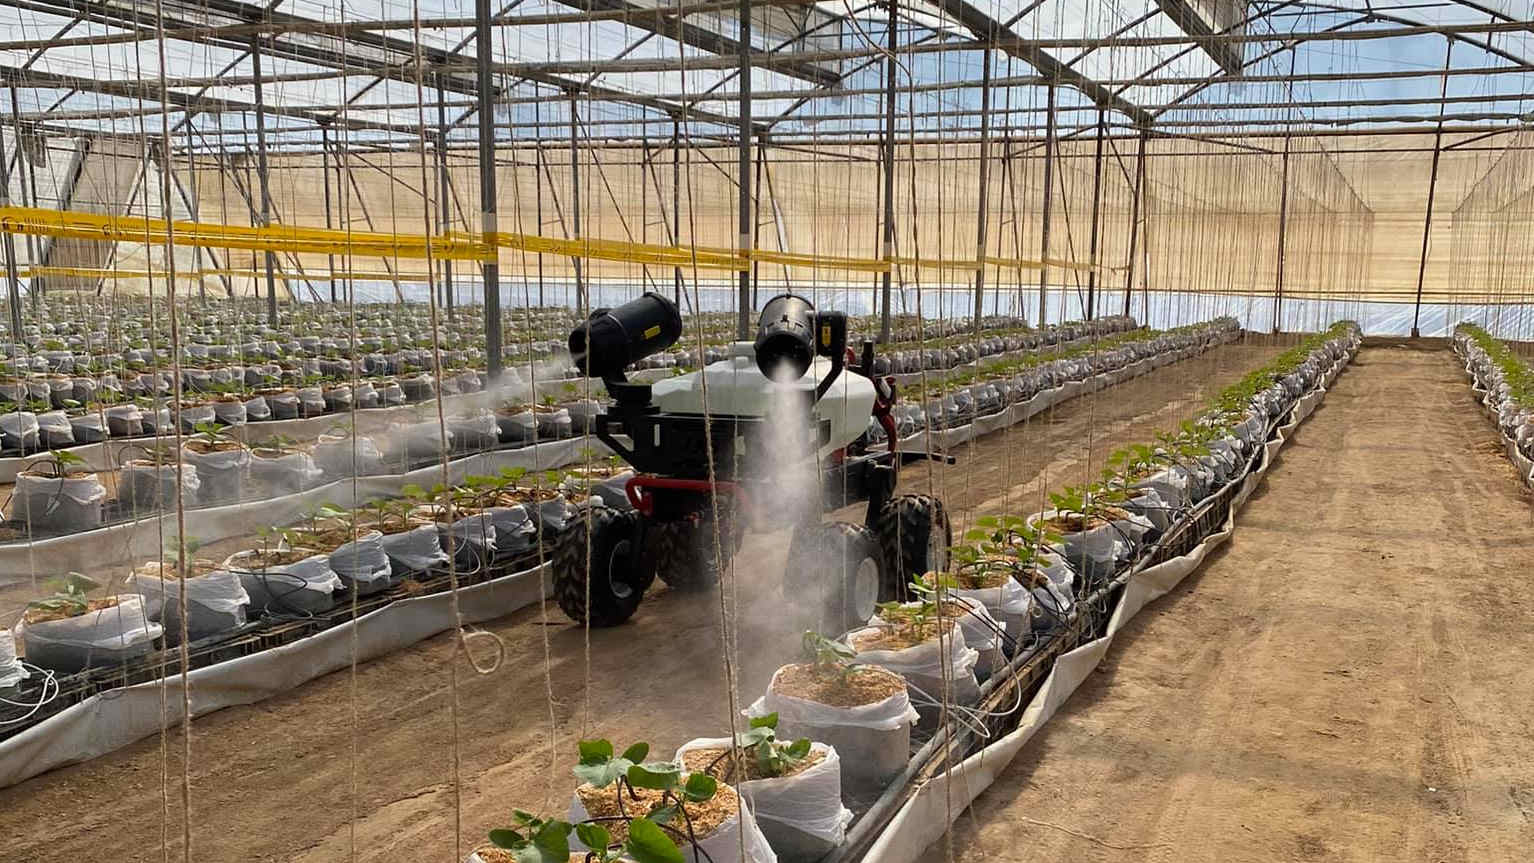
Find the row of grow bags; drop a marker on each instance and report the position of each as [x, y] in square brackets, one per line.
[236, 608]
[1505, 384]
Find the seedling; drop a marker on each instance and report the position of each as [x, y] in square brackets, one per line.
[62, 463]
[761, 744]
[68, 598]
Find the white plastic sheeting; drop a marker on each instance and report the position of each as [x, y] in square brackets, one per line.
[925, 816]
[103, 723]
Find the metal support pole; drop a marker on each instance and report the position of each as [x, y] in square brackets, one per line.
[1283, 230]
[1134, 222]
[676, 198]
[484, 51]
[888, 252]
[983, 210]
[575, 201]
[444, 199]
[28, 193]
[743, 171]
[756, 221]
[266, 197]
[8, 242]
[1097, 200]
[1049, 197]
[330, 259]
[1432, 189]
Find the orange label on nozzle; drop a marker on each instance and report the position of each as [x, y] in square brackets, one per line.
[652, 332]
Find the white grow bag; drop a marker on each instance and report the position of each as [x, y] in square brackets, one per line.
[302, 587]
[873, 740]
[215, 602]
[801, 815]
[924, 665]
[98, 638]
[11, 671]
[64, 504]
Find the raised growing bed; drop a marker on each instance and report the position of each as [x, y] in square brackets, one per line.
[1505, 383]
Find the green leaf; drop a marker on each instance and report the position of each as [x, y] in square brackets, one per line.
[662, 813]
[647, 843]
[655, 775]
[637, 752]
[593, 836]
[700, 787]
[553, 841]
[507, 839]
[595, 751]
[755, 736]
[799, 748]
[768, 721]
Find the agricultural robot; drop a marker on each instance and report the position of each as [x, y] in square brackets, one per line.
[782, 420]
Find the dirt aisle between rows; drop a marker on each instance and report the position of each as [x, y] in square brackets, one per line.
[1349, 680]
[275, 781]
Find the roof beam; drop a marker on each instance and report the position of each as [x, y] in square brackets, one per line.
[175, 100]
[1188, 20]
[657, 21]
[364, 50]
[990, 30]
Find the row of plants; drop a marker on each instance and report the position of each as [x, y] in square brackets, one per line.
[62, 398]
[1506, 378]
[305, 567]
[59, 493]
[957, 398]
[104, 333]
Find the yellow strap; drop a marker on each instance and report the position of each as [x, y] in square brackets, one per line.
[451, 246]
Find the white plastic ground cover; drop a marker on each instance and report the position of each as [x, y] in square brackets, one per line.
[142, 538]
[809, 801]
[924, 817]
[106, 722]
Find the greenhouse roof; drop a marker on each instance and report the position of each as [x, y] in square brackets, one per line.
[389, 73]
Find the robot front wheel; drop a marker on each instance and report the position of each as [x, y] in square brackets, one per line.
[600, 576]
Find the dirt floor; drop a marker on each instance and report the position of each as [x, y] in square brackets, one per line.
[1348, 680]
[367, 764]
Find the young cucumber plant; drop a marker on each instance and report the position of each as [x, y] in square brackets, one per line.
[649, 834]
[68, 598]
[769, 757]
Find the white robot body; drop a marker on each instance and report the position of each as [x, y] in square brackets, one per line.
[736, 387]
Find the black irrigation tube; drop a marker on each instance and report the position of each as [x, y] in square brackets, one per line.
[1026, 671]
[255, 637]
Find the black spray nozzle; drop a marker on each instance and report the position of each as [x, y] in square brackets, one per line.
[785, 338]
[611, 340]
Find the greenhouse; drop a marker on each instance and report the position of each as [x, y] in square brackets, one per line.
[742, 431]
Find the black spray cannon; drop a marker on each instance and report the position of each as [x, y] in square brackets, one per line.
[791, 334]
[611, 340]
